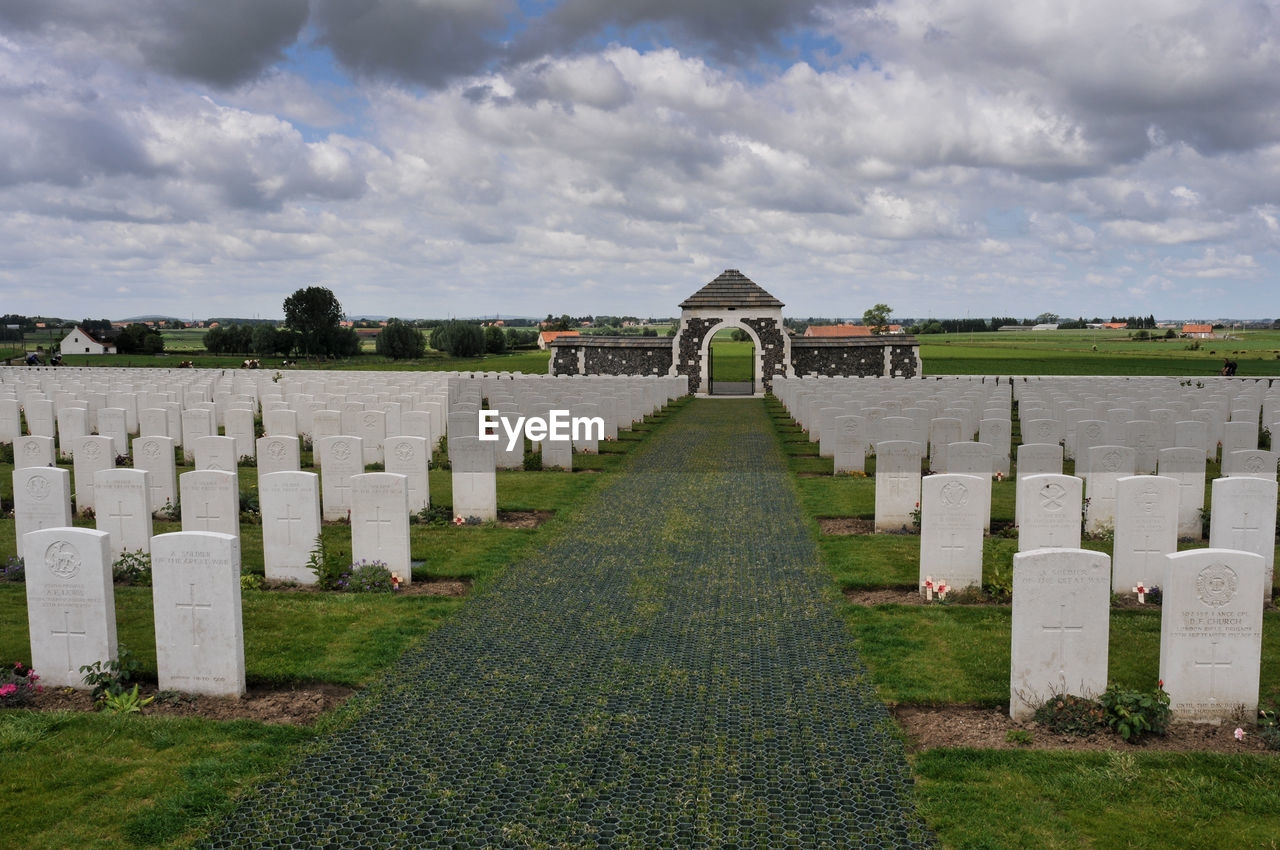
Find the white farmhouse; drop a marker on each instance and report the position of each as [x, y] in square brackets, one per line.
[80, 341]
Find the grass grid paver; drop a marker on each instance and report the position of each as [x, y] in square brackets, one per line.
[673, 673]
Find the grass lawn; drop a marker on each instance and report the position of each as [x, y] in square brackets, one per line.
[959, 654]
[148, 781]
[1095, 353]
[731, 361]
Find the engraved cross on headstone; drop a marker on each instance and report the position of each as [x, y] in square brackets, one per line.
[1243, 528]
[288, 519]
[377, 522]
[119, 516]
[67, 634]
[1213, 664]
[206, 517]
[1062, 628]
[1148, 552]
[192, 605]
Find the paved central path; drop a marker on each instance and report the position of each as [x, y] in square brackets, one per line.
[668, 674]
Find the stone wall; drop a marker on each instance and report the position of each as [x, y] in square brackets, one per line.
[611, 355]
[690, 363]
[772, 347]
[854, 356]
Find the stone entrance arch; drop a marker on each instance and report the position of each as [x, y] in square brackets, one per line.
[757, 371]
[732, 300]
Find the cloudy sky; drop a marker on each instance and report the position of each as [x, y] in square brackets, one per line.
[519, 157]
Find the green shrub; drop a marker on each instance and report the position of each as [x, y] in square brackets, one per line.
[1068, 714]
[1136, 714]
[533, 461]
[132, 568]
[329, 565]
[111, 677]
[125, 702]
[998, 581]
[366, 577]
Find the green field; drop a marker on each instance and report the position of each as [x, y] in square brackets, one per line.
[1095, 353]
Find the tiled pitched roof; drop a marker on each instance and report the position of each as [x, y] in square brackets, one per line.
[731, 289]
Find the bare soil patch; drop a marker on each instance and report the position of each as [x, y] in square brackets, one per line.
[430, 587]
[906, 596]
[523, 519]
[295, 706]
[846, 525]
[927, 727]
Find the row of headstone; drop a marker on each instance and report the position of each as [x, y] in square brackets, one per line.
[196, 598]
[1210, 630]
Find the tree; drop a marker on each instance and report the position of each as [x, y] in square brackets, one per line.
[1046, 318]
[458, 339]
[877, 318]
[495, 340]
[137, 338]
[315, 315]
[400, 341]
[263, 340]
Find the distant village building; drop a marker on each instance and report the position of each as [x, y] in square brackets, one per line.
[545, 337]
[80, 341]
[846, 330]
[1198, 331]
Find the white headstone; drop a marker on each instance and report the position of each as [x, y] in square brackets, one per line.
[1211, 635]
[1186, 465]
[112, 422]
[372, 429]
[278, 454]
[36, 451]
[380, 521]
[951, 529]
[71, 610]
[897, 484]
[240, 429]
[122, 498]
[850, 444]
[41, 499]
[92, 454]
[475, 486]
[339, 458]
[216, 453]
[411, 457]
[1034, 459]
[1051, 511]
[290, 504]
[1146, 530]
[210, 501]
[1243, 516]
[198, 620]
[1103, 467]
[1060, 626]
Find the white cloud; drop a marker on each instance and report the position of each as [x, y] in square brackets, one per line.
[974, 155]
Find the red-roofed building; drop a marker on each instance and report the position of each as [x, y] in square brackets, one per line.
[80, 341]
[546, 337]
[1198, 331]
